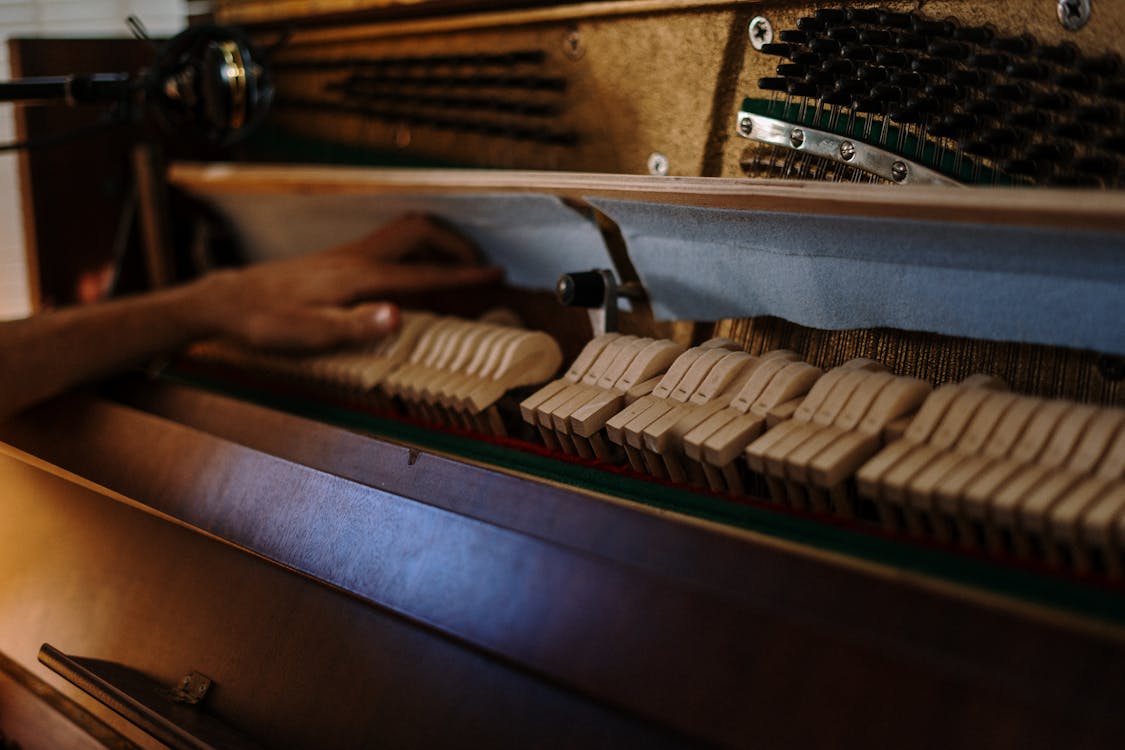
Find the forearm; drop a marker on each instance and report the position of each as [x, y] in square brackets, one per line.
[301, 304]
[46, 354]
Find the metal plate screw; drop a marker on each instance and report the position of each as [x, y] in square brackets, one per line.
[797, 138]
[760, 31]
[1074, 14]
[746, 126]
[899, 171]
[657, 164]
[847, 150]
[573, 46]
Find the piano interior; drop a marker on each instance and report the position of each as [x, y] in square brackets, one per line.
[798, 421]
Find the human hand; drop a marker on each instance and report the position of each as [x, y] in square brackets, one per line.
[310, 302]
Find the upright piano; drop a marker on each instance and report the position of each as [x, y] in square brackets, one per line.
[888, 244]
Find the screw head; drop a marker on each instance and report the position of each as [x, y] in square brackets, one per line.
[573, 46]
[1074, 14]
[746, 126]
[657, 164]
[797, 138]
[761, 31]
[899, 171]
[847, 150]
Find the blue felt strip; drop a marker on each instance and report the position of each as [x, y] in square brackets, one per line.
[1002, 283]
[535, 238]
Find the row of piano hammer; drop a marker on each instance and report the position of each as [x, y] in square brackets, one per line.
[969, 462]
[438, 369]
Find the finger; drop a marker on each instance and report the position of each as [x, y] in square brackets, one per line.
[416, 237]
[429, 277]
[446, 243]
[312, 328]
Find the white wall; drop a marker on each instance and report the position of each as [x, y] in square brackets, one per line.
[79, 18]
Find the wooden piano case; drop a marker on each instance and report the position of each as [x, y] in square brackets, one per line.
[344, 591]
[349, 581]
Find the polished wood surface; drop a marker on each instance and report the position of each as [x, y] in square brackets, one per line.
[1096, 210]
[36, 716]
[721, 636]
[295, 663]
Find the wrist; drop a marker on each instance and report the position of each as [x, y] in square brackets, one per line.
[199, 308]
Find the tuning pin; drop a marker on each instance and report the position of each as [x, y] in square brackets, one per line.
[959, 122]
[1063, 54]
[896, 20]
[983, 107]
[1100, 166]
[843, 34]
[949, 50]
[1113, 89]
[869, 105]
[1052, 152]
[1103, 65]
[906, 115]
[1027, 118]
[792, 70]
[1114, 143]
[930, 66]
[1075, 131]
[837, 98]
[838, 67]
[1074, 180]
[1052, 101]
[873, 73]
[1017, 45]
[945, 91]
[924, 104]
[811, 24]
[821, 78]
[990, 61]
[908, 80]
[863, 15]
[894, 59]
[773, 84]
[887, 93]
[1078, 82]
[858, 52]
[931, 28]
[1098, 115]
[907, 40]
[981, 35]
[1012, 92]
[1025, 167]
[1028, 71]
[880, 37]
[831, 16]
[825, 46]
[851, 86]
[802, 88]
[778, 49]
[971, 78]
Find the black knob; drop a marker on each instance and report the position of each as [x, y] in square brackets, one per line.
[581, 289]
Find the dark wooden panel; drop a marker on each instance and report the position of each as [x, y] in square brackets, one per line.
[35, 716]
[717, 635]
[296, 664]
